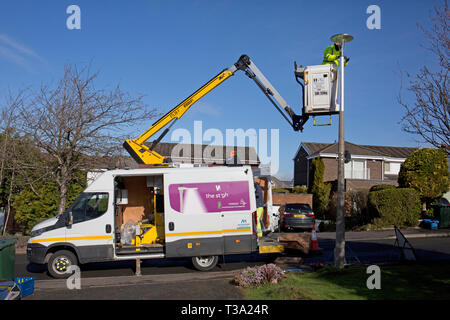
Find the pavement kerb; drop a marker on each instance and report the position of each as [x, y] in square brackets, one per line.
[135, 280]
[371, 238]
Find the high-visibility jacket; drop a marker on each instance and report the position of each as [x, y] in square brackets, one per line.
[332, 56]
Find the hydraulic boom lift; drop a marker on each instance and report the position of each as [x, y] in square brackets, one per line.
[143, 154]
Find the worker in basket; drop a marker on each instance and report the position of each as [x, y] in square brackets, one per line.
[332, 54]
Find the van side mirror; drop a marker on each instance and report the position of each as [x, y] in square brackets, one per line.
[68, 219]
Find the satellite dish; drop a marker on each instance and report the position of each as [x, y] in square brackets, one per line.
[347, 156]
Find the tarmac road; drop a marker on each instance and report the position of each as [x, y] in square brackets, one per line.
[427, 249]
[175, 279]
[148, 267]
[357, 250]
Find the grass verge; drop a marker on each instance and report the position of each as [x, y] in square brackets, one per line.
[402, 282]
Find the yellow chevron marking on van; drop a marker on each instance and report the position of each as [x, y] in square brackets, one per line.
[180, 234]
[72, 239]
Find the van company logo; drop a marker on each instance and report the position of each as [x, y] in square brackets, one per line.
[244, 224]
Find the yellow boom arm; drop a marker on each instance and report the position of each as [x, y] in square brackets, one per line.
[146, 155]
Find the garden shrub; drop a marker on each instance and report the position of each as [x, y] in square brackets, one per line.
[280, 190]
[356, 213]
[318, 188]
[399, 206]
[425, 170]
[300, 189]
[258, 276]
[379, 187]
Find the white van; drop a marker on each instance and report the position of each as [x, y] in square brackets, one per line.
[153, 213]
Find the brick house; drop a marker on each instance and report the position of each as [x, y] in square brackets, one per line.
[369, 165]
[206, 154]
[277, 183]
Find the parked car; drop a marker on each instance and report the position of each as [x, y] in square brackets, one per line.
[296, 216]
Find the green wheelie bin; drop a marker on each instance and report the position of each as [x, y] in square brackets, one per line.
[7, 258]
[442, 213]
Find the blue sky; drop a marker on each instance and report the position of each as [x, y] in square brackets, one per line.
[168, 49]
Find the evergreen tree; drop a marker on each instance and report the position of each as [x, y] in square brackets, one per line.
[319, 189]
[425, 170]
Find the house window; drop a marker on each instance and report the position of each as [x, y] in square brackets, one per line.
[392, 167]
[355, 169]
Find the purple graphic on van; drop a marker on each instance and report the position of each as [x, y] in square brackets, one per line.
[190, 198]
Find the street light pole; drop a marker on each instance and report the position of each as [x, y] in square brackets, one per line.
[339, 250]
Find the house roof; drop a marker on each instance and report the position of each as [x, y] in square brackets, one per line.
[182, 153]
[394, 152]
[315, 149]
[202, 153]
[281, 184]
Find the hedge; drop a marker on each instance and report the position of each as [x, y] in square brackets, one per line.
[394, 206]
[281, 190]
[425, 170]
[356, 212]
[379, 187]
[298, 189]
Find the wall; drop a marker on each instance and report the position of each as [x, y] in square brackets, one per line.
[331, 164]
[301, 168]
[376, 169]
[331, 167]
[356, 184]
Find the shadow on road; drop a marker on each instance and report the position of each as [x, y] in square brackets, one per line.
[381, 252]
[357, 252]
[156, 266]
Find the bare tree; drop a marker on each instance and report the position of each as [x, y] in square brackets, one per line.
[9, 114]
[8, 167]
[428, 116]
[74, 122]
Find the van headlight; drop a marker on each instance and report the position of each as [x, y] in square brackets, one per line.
[36, 233]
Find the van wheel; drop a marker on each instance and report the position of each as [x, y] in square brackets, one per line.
[59, 263]
[205, 263]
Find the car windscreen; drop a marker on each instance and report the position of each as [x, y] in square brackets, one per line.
[297, 207]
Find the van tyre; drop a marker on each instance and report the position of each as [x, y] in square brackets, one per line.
[205, 263]
[59, 263]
